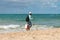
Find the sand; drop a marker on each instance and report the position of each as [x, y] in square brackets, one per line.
[49, 34]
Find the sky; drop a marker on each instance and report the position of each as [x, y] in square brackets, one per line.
[24, 6]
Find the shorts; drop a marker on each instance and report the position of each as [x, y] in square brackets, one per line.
[28, 25]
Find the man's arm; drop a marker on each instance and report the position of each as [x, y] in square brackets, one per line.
[30, 17]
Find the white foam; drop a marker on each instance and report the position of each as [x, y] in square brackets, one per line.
[42, 27]
[9, 26]
[23, 26]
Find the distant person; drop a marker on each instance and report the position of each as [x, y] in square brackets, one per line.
[28, 20]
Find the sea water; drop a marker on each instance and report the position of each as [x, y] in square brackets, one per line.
[16, 22]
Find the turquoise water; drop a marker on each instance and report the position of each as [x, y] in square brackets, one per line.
[39, 20]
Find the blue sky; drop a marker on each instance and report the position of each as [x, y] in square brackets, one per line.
[35, 6]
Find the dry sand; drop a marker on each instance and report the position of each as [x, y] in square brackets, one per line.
[50, 34]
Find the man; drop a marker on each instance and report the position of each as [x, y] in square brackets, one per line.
[28, 20]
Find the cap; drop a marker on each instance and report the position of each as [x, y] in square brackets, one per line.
[30, 13]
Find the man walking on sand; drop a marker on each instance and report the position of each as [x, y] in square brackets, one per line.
[28, 20]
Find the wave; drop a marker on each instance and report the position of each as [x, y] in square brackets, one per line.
[34, 27]
[9, 26]
[18, 28]
[42, 27]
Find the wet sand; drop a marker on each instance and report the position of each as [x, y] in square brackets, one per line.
[49, 34]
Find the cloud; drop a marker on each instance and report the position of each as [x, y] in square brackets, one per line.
[48, 3]
[43, 3]
[11, 0]
[27, 5]
[19, 0]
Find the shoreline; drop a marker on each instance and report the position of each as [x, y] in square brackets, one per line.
[49, 34]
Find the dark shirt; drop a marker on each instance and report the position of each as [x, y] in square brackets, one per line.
[27, 19]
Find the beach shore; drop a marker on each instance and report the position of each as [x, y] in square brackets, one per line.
[49, 34]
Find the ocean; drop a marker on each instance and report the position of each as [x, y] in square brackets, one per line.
[16, 22]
